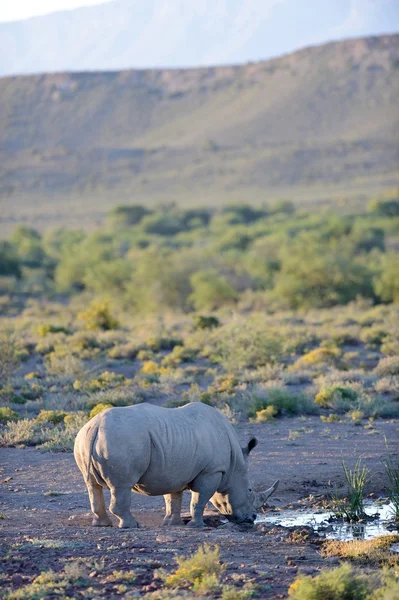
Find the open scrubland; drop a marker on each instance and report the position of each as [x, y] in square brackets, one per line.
[285, 320]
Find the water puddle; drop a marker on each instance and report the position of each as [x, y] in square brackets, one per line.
[337, 530]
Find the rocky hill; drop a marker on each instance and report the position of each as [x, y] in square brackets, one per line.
[316, 123]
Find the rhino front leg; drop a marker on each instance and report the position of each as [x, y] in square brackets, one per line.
[100, 519]
[120, 507]
[173, 509]
[202, 490]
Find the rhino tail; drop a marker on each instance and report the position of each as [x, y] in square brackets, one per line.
[93, 432]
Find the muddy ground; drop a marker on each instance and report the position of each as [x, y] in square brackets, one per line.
[46, 523]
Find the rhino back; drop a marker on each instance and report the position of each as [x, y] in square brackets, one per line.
[162, 450]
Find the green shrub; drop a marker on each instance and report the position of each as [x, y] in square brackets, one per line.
[352, 506]
[179, 355]
[243, 344]
[73, 420]
[336, 396]
[202, 322]
[51, 416]
[342, 583]
[388, 366]
[10, 357]
[24, 432]
[201, 572]
[104, 381]
[6, 415]
[315, 277]
[9, 261]
[266, 414]
[96, 410]
[98, 316]
[385, 207]
[210, 290]
[45, 328]
[283, 402]
[386, 284]
[128, 350]
[331, 418]
[158, 343]
[127, 215]
[373, 336]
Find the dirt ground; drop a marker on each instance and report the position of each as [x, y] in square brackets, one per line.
[45, 518]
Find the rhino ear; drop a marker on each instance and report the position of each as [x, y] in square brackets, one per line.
[251, 445]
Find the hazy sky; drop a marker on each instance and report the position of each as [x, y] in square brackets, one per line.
[191, 32]
[13, 10]
[353, 15]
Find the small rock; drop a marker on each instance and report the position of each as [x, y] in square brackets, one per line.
[165, 539]
[93, 574]
[17, 579]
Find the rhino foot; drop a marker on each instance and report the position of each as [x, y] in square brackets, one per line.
[197, 524]
[128, 524]
[103, 522]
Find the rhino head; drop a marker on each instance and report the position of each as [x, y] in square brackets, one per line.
[240, 503]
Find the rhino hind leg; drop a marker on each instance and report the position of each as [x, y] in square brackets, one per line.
[202, 490]
[100, 519]
[120, 507]
[173, 504]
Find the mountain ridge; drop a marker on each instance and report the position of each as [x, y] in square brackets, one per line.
[324, 117]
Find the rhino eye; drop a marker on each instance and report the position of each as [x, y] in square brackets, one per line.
[249, 489]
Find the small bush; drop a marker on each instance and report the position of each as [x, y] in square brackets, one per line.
[201, 572]
[201, 322]
[342, 583]
[9, 358]
[96, 410]
[388, 366]
[352, 507]
[373, 336]
[150, 367]
[51, 416]
[386, 284]
[210, 290]
[25, 432]
[62, 439]
[106, 380]
[331, 418]
[334, 396]
[283, 402]
[325, 355]
[45, 328]
[374, 552]
[158, 343]
[99, 316]
[246, 344]
[75, 420]
[224, 384]
[67, 365]
[266, 415]
[179, 355]
[129, 351]
[392, 471]
[6, 415]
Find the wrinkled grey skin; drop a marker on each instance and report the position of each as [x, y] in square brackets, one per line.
[164, 451]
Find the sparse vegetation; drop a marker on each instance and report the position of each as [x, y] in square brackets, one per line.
[374, 552]
[392, 471]
[352, 507]
[202, 573]
[344, 583]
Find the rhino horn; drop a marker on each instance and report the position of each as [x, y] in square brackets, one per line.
[263, 496]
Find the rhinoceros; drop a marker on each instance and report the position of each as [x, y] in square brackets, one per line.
[164, 451]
